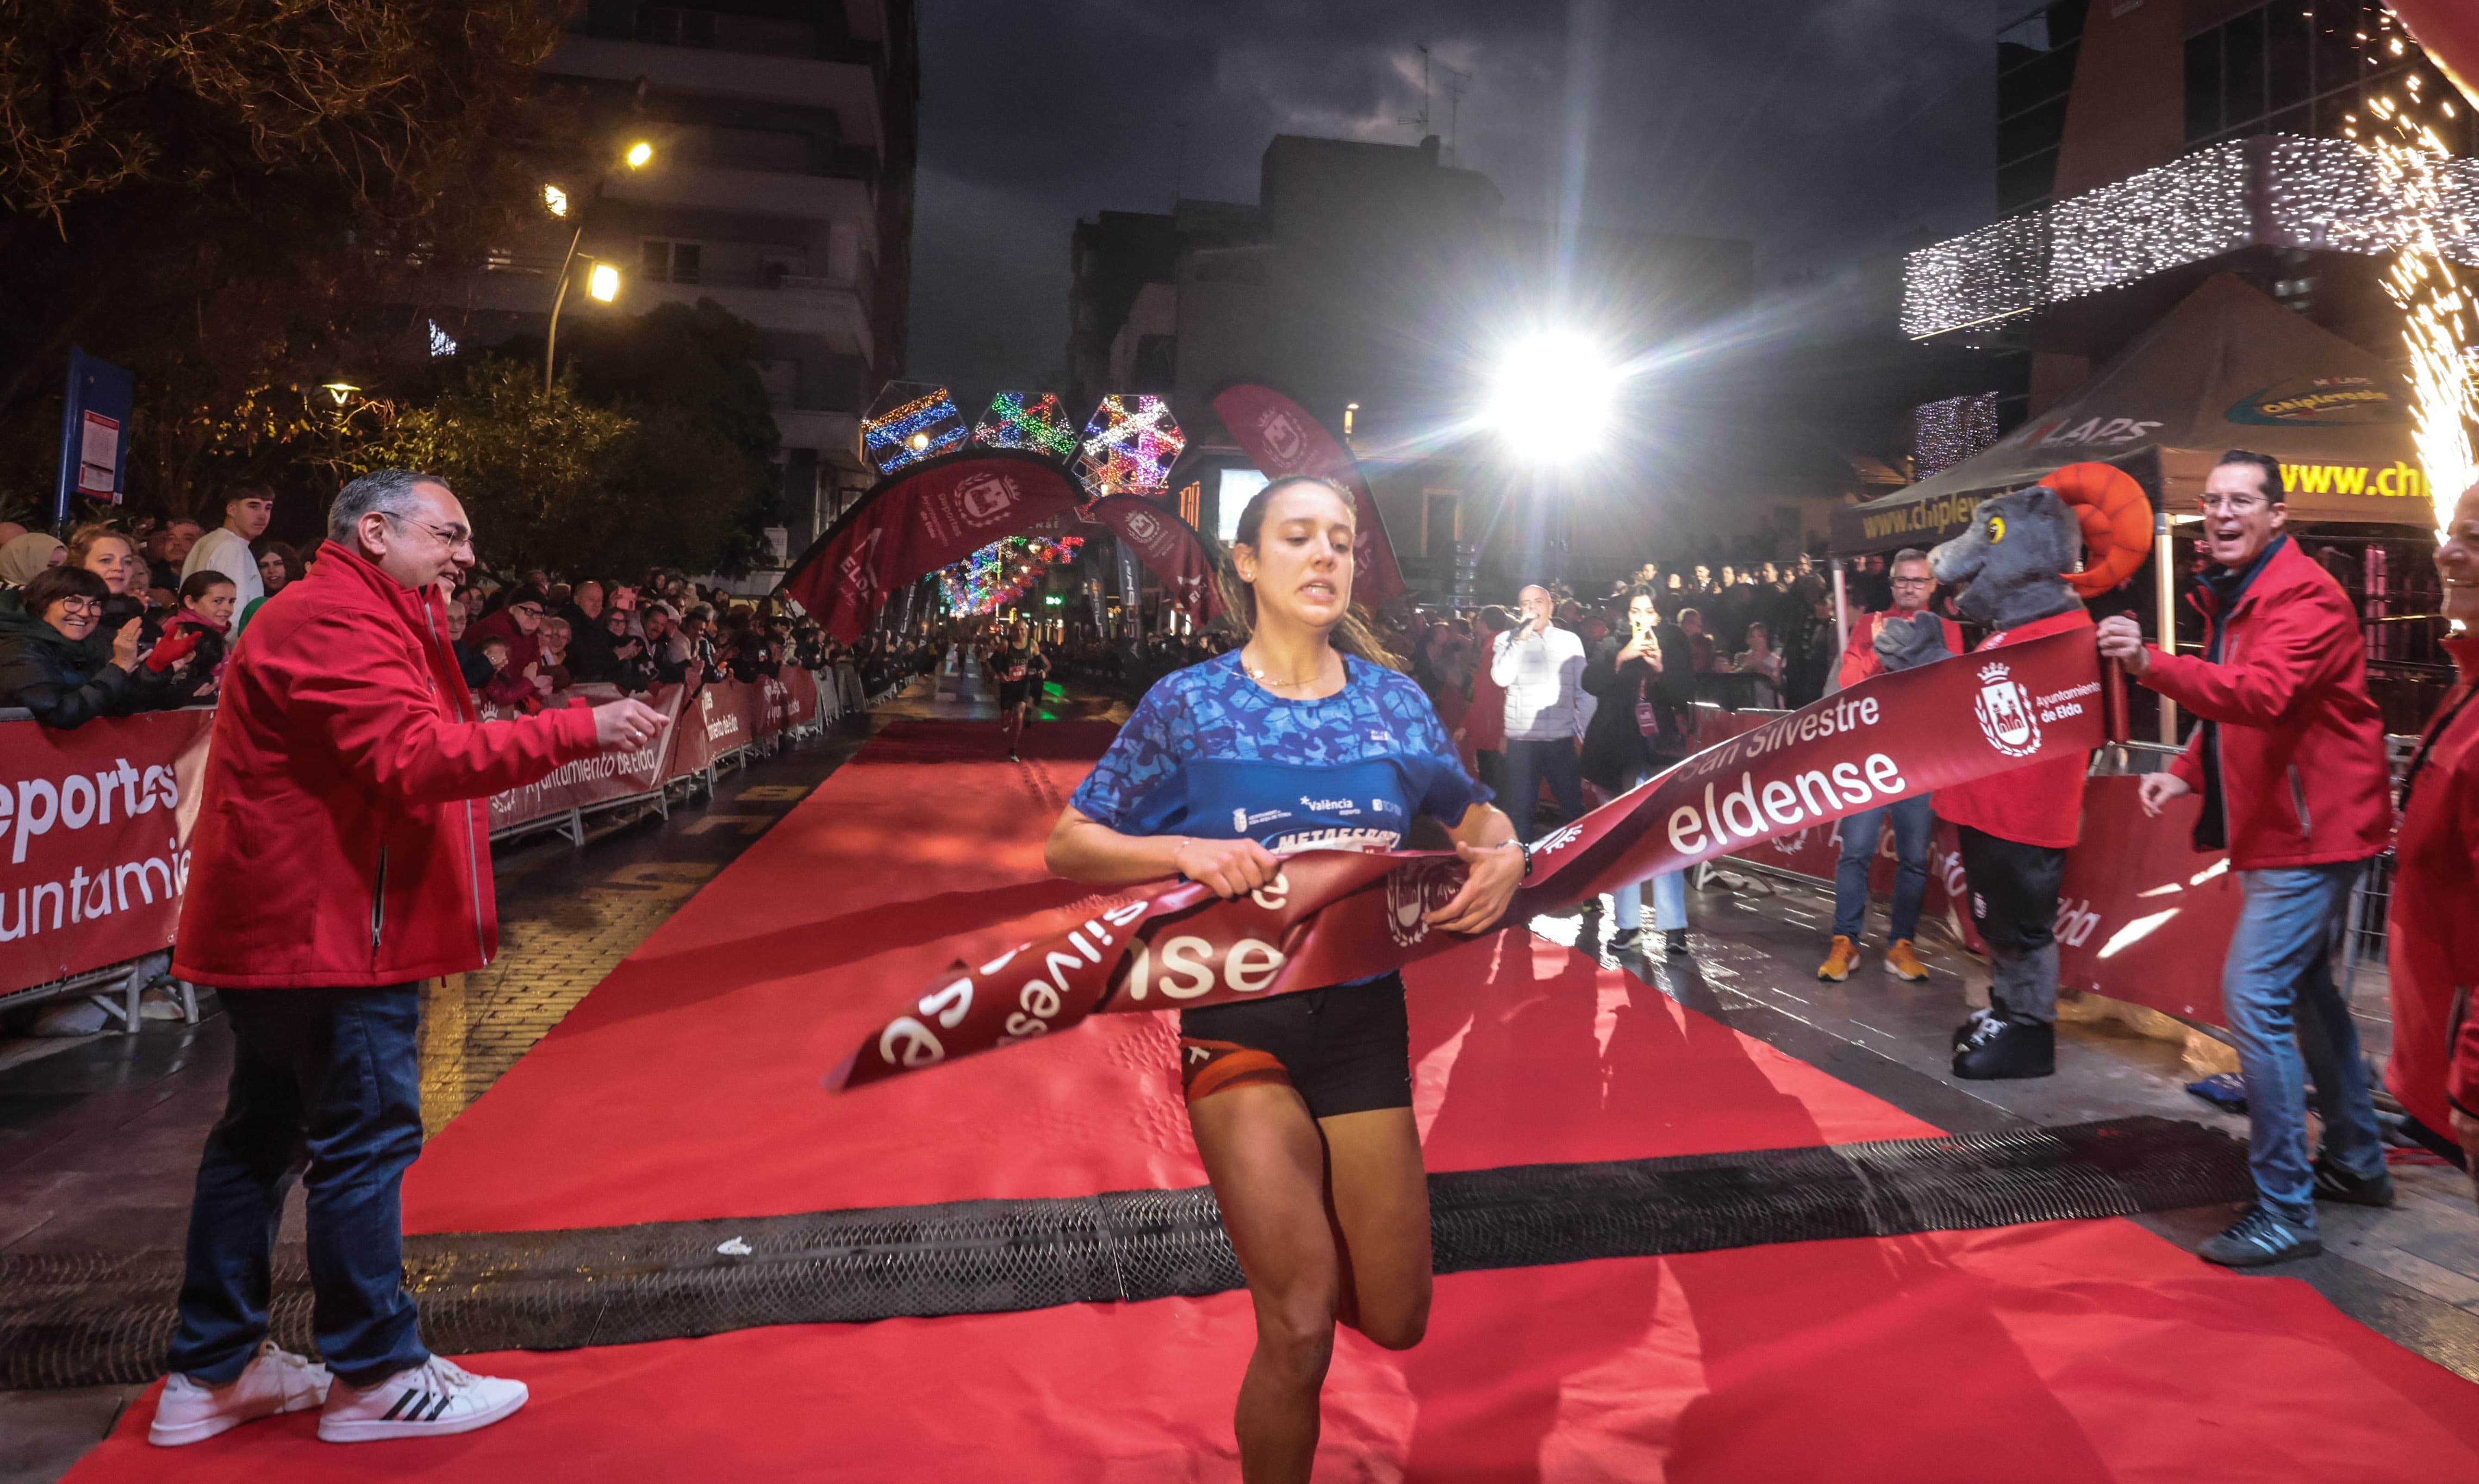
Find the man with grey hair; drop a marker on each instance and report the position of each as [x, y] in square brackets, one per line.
[1913, 820]
[342, 855]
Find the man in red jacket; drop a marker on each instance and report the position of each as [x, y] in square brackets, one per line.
[342, 854]
[2289, 760]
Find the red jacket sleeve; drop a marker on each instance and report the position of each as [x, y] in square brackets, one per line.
[2462, 1071]
[382, 720]
[2288, 648]
[1859, 658]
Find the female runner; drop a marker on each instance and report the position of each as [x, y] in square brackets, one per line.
[1303, 738]
[1018, 668]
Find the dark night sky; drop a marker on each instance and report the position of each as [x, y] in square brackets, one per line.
[1825, 131]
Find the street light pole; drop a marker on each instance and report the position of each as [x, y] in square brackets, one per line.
[636, 158]
[567, 265]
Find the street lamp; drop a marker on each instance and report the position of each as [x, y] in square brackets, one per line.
[604, 283]
[1554, 396]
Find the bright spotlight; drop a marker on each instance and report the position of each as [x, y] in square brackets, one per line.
[1555, 395]
[603, 282]
[639, 153]
[556, 199]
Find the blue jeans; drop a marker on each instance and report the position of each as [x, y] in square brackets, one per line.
[1912, 820]
[2291, 1023]
[1668, 892]
[1527, 763]
[329, 1075]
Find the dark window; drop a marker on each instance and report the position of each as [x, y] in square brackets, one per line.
[2025, 182]
[2029, 133]
[2204, 84]
[658, 262]
[1440, 520]
[2338, 24]
[2242, 70]
[2334, 111]
[2037, 81]
[2286, 48]
[667, 26]
[684, 262]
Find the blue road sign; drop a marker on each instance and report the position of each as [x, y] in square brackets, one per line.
[94, 433]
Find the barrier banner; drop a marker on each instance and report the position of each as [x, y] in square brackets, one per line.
[94, 840]
[1332, 916]
[1280, 438]
[917, 521]
[586, 783]
[1169, 546]
[2142, 916]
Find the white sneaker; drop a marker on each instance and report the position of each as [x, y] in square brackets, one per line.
[273, 1381]
[433, 1399]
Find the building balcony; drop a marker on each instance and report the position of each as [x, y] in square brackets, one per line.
[752, 192]
[2271, 191]
[848, 86]
[834, 310]
[835, 435]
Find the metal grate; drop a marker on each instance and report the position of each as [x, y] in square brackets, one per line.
[83, 1320]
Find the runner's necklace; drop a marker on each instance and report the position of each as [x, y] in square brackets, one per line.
[1259, 675]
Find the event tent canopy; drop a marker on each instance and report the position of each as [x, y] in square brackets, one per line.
[2227, 369]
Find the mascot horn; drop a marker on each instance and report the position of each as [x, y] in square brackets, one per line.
[2017, 570]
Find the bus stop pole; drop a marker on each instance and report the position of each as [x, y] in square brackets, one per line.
[2164, 596]
[1841, 616]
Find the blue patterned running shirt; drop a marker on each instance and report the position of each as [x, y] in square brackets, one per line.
[1211, 754]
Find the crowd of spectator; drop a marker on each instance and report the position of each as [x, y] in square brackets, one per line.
[125, 617]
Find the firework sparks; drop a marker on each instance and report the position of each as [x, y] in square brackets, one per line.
[2438, 308]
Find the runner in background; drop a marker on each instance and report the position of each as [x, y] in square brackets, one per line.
[1018, 666]
[1306, 737]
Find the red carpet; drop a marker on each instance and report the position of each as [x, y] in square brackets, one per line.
[687, 1087]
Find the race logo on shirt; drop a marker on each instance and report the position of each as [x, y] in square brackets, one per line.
[2003, 708]
[1336, 837]
[1244, 821]
[1416, 890]
[1346, 808]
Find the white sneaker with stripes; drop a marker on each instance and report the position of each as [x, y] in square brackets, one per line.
[433, 1399]
[274, 1381]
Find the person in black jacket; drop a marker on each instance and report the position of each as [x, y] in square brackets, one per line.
[46, 664]
[1645, 681]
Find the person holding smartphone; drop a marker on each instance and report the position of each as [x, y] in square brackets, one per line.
[1542, 667]
[1645, 683]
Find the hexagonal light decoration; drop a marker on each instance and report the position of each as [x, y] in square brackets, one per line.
[910, 422]
[1129, 446]
[1030, 421]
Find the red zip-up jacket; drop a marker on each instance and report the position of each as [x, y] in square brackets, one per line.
[342, 835]
[2302, 753]
[2432, 931]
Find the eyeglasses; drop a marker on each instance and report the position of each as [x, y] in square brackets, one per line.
[450, 537]
[76, 605]
[1916, 581]
[2236, 505]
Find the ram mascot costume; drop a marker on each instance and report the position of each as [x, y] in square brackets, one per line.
[2018, 573]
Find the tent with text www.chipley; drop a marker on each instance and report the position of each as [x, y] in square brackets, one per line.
[2227, 369]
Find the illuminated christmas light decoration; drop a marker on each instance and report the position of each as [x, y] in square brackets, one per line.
[2274, 190]
[1129, 446]
[911, 423]
[1943, 434]
[1030, 421]
[1003, 572]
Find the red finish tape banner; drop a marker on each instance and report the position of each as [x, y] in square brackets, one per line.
[1331, 916]
[94, 840]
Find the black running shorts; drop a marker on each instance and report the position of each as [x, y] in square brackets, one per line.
[1344, 1050]
[1011, 694]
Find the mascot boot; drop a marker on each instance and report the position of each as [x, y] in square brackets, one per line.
[2016, 565]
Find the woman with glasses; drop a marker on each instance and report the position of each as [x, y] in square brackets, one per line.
[46, 665]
